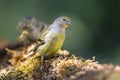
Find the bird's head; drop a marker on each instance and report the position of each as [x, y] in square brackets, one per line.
[63, 21]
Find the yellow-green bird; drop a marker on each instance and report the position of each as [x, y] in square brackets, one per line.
[30, 29]
[54, 37]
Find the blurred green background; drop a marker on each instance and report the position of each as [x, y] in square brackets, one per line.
[95, 30]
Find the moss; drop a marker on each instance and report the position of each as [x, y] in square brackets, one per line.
[62, 66]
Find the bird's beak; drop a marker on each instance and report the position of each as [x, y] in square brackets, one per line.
[69, 23]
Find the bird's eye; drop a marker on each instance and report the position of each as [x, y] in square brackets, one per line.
[64, 19]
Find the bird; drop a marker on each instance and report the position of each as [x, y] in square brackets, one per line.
[30, 29]
[53, 37]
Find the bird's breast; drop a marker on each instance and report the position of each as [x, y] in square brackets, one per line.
[54, 40]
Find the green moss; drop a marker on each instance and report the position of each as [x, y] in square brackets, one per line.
[59, 67]
[29, 65]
